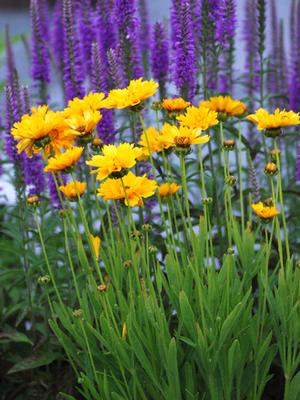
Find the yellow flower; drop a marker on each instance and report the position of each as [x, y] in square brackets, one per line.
[64, 161]
[42, 129]
[157, 141]
[176, 104]
[132, 189]
[275, 121]
[137, 91]
[168, 189]
[198, 117]
[114, 160]
[183, 136]
[96, 242]
[70, 189]
[225, 105]
[265, 212]
[91, 101]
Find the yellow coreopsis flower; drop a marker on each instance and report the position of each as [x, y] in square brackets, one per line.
[114, 160]
[273, 123]
[64, 161]
[198, 117]
[136, 92]
[265, 212]
[71, 189]
[42, 129]
[132, 189]
[91, 101]
[225, 106]
[155, 141]
[175, 105]
[96, 242]
[168, 189]
[183, 136]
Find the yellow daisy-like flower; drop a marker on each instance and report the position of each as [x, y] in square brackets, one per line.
[70, 189]
[175, 105]
[114, 160]
[168, 189]
[265, 212]
[156, 141]
[225, 106]
[42, 129]
[136, 92]
[64, 161]
[183, 136]
[198, 117]
[273, 123]
[96, 242]
[91, 101]
[132, 189]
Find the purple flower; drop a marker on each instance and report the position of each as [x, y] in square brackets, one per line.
[114, 64]
[10, 61]
[225, 22]
[144, 33]
[184, 54]
[54, 197]
[127, 27]
[57, 36]
[298, 164]
[294, 87]
[40, 68]
[73, 70]
[159, 53]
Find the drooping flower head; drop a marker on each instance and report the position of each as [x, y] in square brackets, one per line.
[131, 189]
[199, 118]
[136, 92]
[265, 212]
[72, 189]
[168, 189]
[64, 162]
[114, 160]
[273, 123]
[225, 106]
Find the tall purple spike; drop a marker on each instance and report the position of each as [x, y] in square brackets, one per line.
[160, 56]
[57, 34]
[73, 71]
[10, 61]
[144, 34]
[114, 64]
[184, 55]
[127, 27]
[40, 69]
[294, 90]
[105, 128]
[272, 77]
[282, 69]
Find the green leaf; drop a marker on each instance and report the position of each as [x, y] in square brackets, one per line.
[35, 362]
[16, 337]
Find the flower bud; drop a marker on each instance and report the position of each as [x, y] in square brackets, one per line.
[228, 144]
[136, 235]
[97, 145]
[77, 313]
[102, 288]
[153, 249]
[268, 202]
[230, 251]
[127, 264]
[207, 200]
[298, 263]
[33, 200]
[147, 227]
[274, 154]
[231, 180]
[156, 105]
[271, 169]
[44, 280]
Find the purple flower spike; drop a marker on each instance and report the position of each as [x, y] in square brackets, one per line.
[127, 26]
[298, 164]
[226, 23]
[73, 70]
[294, 90]
[57, 34]
[40, 59]
[10, 61]
[160, 56]
[144, 34]
[184, 55]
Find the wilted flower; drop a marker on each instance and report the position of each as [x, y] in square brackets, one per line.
[96, 242]
[265, 212]
[132, 189]
[225, 106]
[136, 92]
[71, 189]
[114, 160]
[64, 161]
[168, 189]
[198, 117]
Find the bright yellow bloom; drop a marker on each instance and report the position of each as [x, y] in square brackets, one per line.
[198, 117]
[91, 101]
[70, 189]
[42, 129]
[137, 91]
[96, 242]
[225, 105]
[265, 212]
[132, 189]
[183, 136]
[155, 141]
[176, 104]
[279, 119]
[168, 189]
[64, 161]
[114, 159]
